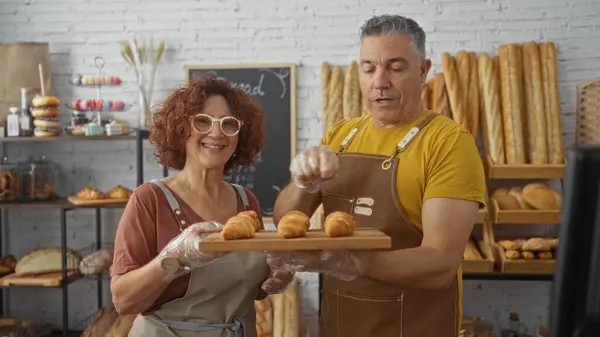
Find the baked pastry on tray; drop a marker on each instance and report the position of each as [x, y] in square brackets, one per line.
[90, 193]
[119, 192]
[293, 224]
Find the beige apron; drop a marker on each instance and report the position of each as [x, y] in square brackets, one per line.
[365, 185]
[219, 301]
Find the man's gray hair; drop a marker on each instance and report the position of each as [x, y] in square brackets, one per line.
[387, 24]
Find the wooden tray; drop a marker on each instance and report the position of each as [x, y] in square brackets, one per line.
[363, 238]
[76, 201]
[523, 216]
[522, 266]
[523, 171]
[483, 266]
[42, 280]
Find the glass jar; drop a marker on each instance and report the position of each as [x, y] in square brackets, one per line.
[38, 180]
[10, 181]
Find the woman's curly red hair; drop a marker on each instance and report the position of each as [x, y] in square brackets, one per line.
[171, 129]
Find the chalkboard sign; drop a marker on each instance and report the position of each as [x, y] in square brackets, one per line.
[274, 87]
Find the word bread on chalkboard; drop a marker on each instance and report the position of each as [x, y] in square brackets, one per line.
[274, 89]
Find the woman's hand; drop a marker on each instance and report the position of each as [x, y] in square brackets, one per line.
[279, 277]
[346, 265]
[183, 254]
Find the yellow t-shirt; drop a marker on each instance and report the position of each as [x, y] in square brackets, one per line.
[442, 161]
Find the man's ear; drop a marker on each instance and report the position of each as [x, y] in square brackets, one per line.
[425, 67]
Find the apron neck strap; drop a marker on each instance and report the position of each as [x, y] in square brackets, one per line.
[351, 134]
[408, 137]
[175, 208]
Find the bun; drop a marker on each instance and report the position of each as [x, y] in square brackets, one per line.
[44, 101]
[46, 123]
[46, 132]
[90, 193]
[536, 245]
[293, 224]
[119, 192]
[44, 113]
[238, 227]
[253, 216]
[339, 224]
[541, 197]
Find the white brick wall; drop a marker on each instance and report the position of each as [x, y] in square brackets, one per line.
[305, 32]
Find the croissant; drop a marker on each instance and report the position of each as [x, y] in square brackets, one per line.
[239, 227]
[293, 224]
[254, 216]
[339, 224]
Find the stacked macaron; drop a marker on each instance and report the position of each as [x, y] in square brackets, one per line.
[95, 80]
[98, 105]
[45, 116]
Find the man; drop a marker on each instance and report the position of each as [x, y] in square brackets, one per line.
[437, 186]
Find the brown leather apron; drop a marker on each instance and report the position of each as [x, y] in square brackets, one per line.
[219, 301]
[365, 185]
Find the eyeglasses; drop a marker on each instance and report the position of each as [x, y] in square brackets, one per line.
[230, 126]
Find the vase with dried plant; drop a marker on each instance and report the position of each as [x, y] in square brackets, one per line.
[143, 56]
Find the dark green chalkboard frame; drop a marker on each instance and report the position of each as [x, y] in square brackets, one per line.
[265, 196]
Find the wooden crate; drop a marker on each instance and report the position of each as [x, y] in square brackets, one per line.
[485, 265]
[522, 216]
[522, 171]
[521, 266]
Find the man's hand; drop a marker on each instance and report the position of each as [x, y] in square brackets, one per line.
[343, 264]
[313, 166]
[279, 278]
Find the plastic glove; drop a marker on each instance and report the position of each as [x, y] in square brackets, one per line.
[313, 166]
[279, 279]
[183, 252]
[343, 264]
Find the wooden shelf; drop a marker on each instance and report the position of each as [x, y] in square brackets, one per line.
[522, 171]
[65, 137]
[523, 216]
[481, 215]
[51, 280]
[522, 266]
[485, 265]
[54, 203]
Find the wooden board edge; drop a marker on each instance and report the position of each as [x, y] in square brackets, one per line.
[76, 201]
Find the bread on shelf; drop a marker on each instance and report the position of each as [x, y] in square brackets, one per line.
[119, 192]
[471, 251]
[535, 248]
[90, 193]
[293, 224]
[46, 260]
[533, 196]
[97, 262]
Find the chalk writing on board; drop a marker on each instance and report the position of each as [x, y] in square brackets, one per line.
[256, 88]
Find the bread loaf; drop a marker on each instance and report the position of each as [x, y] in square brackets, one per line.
[97, 262]
[335, 109]
[46, 260]
[441, 104]
[454, 91]
[264, 318]
[549, 68]
[537, 151]
[511, 76]
[325, 78]
[473, 96]
[292, 310]
[351, 93]
[471, 252]
[279, 320]
[463, 69]
[491, 121]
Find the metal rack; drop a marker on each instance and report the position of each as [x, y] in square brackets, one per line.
[64, 207]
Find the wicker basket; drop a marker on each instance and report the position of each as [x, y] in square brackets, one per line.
[588, 112]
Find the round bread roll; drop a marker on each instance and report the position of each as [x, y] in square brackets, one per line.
[517, 192]
[46, 123]
[44, 113]
[500, 191]
[540, 197]
[46, 132]
[507, 202]
[44, 101]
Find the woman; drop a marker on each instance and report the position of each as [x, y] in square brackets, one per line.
[202, 129]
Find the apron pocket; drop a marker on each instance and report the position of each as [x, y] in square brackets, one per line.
[337, 203]
[352, 315]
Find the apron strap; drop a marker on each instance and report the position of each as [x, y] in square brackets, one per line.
[175, 208]
[242, 193]
[351, 134]
[408, 137]
[236, 325]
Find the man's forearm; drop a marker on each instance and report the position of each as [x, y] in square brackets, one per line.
[294, 198]
[420, 267]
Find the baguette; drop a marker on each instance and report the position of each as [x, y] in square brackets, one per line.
[336, 95]
[473, 102]
[453, 88]
[351, 93]
[551, 102]
[462, 70]
[537, 151]
[278, 302]
[325, 78]
[426, 96]
[491, 116]
[511, 76]
[440, 96]
[292, 311]
[471, 252]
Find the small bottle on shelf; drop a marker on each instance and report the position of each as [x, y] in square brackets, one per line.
[13, 125]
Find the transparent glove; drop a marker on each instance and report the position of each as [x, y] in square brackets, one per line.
[182, 253]
[313, 166]
[343, 264]
[279, 279]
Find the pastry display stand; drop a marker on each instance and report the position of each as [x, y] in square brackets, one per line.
[524, 269]
[63, 279]
[97, 106]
